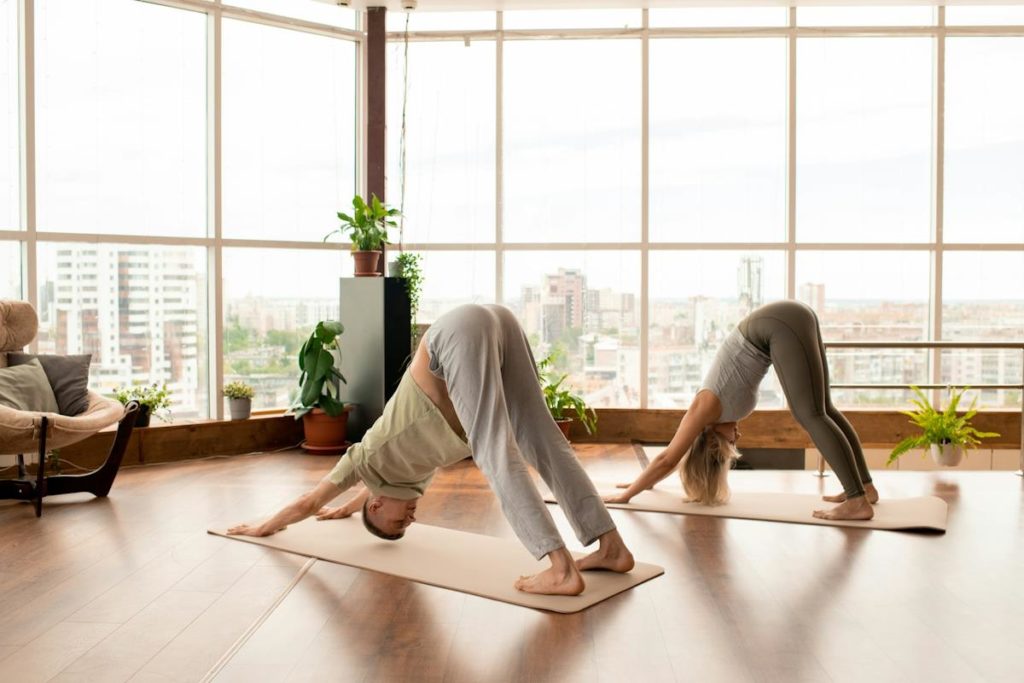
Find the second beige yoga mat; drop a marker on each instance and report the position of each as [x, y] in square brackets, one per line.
[926, 513]
[470, 563]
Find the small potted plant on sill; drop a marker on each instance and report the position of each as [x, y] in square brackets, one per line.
[564, 404]
[239, 395]
[946, 434]
[153, 399]
[367, 228]
[324, 416]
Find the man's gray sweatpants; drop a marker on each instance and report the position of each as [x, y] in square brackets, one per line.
[483, 357]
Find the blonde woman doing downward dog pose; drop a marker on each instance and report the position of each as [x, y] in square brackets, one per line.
[784, 335]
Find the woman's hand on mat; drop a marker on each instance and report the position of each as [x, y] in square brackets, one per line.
[618, 497]
[340, 512]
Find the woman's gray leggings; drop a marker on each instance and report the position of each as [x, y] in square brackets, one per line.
[483, 357]
[788, 332]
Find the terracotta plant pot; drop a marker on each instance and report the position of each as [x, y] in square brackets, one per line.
[947, 454]
[366, 263]
[564, 424]
[325, 435]
[241, 408]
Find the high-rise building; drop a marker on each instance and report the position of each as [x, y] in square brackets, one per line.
[813, 294]
[749, 282]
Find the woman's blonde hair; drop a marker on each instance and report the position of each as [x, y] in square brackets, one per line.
[705, 468]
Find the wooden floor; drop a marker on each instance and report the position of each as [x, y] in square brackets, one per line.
[132, 588]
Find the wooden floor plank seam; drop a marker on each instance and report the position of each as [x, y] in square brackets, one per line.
[248, 633]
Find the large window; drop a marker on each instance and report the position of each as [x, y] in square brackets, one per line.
[10, 270]
[120, 118]
[289, 131]
[273, 298]
[445, 107]
[718, 134]
[9, 152]
[984, 188]
[139, 310]
[863, 139]
[571, 142]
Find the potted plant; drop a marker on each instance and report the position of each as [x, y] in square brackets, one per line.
[324, 416]
[947, 434]
[367, 228]
[564, 404]
[410, 269]
[239, 395]
[153, 399]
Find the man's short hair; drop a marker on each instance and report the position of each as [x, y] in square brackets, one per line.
[376, 531]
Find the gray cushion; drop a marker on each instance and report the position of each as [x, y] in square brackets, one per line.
[68, 375]
[25, 387]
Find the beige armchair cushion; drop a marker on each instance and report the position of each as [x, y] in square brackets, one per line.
[19, 430]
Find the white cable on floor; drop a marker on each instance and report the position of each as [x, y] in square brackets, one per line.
[233, 650]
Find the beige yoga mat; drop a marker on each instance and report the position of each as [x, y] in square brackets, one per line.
[470, 563]
[926, 513]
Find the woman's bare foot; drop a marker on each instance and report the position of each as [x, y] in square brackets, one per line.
[870, 492]
[612, 555]
[562, 578]
[855, 508]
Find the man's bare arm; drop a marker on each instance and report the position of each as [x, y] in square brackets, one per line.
[345, 509]
[305, 506]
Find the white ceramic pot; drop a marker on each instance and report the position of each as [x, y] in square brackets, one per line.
[240, 408]
[947, 454]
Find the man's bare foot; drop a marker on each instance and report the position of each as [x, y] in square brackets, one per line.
[562, 578]
[855, 508]
[552, 582]
[870, 492]
[612, 555]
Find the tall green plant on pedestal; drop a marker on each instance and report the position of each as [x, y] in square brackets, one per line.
[411, 270]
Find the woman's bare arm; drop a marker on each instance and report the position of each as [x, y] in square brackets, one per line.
[305, 506]
[704, 410]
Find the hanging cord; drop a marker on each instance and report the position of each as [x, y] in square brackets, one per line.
[401, 139]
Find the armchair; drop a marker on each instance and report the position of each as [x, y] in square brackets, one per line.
[24, 431]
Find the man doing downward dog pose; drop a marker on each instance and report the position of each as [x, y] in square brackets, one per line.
[784, 335]
[473, 370]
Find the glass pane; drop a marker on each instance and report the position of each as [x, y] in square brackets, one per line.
[983, 300]
[120, 118]
[288, 132]
[10, 184]
[591, 18]
[441, 21]
[322, 12]
[865, 16]
[454, 278]
[139, 310]
[269, 311]
[984, 190]
[585, 306]
[718, 140]
[572, 142]
[717, 17]
[450, 140]
[10, 270]
[1002, 15]
[697, 297]
[864, 139]
[890, 304]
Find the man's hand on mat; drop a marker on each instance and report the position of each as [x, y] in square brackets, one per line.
[340, 512]
[250, 530]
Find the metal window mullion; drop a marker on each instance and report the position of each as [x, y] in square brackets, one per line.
[215, 212]
[645, 189]
[938, 193]
[27, 170]
[499, 160]
[791, 178]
